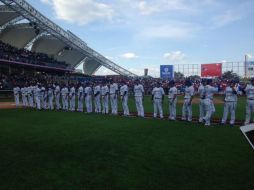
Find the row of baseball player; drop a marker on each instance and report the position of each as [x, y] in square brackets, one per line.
[44, 98]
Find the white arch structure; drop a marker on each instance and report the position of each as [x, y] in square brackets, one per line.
[42, 35]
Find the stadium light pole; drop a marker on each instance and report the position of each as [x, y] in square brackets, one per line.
[245, 65]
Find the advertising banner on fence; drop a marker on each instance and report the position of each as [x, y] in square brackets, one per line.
[167, 71]
[211, 70]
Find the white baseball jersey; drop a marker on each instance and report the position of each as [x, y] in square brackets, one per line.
[37, 92]
[158, 92]
[80, 91]
[201, 91]
[113, 88]
[138, 90]
[24, 91]
[123, 89]
[16, 90]
[209, 91]
[249, 91]
[97, 89]
[42, 91]
[172, 92]
[64, 91]
[104, 90]
[72, 91]
[189, 92]
[50, 91]
[30, 90]
[230, 96]
[57, 90]
[88, 91]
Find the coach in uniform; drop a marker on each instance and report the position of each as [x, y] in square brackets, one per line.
[104, 97]
[157, 98]
[249, 90]
[187, 105]
[172, 99]
[139, 94]
[230, 102]
[124, 98]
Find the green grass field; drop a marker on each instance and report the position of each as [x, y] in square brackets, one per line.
[64, 150]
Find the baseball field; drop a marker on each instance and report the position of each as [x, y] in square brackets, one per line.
[65, 150]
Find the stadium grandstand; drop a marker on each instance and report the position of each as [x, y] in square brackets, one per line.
[31, 42]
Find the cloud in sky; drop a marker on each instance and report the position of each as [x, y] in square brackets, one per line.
[174, 56]
[129, 55]
[81, 11]
[226, 18]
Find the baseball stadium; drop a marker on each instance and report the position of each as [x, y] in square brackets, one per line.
[64, 126]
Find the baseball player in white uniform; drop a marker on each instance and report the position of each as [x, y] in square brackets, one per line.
[124, 98]
[57, 93]
[50, 97]
[209, 105]
[157, 98]
[230, 102]
[249, 90]
[37, 95]
[45, 99]
[201, 92]
[24, 95]
[187, 105]
[72, 97]
[97, 98]
[139, 93]
[35, 86]
[30, 96]
[172, 99]
[104, 98]
[16, 91]
[64, 93]
[88, 98]
[80, 98]
[113, 91]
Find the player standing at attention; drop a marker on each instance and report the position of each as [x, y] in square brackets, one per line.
[64, 93]
[72, 97]
[24, 96]
[113, 91]
[201, 92]
[104, 97]
[139, 94]
[230, 102]
[209, 105]
[157, 98]
[172, 99]
[124, 98]
[57, 96]
[37, 96]
[249, 90]
[50, 97]
[30, 96]
[16, 91]
[80, 98]
[97, 98]
[187, 105]
[88, 98]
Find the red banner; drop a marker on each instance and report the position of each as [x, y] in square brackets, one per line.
[211, 70]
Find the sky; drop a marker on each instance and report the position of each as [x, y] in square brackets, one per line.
[138, 34]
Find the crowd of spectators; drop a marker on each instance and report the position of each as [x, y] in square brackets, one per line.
[10, 53]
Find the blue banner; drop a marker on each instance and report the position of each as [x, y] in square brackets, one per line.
[167, 71]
